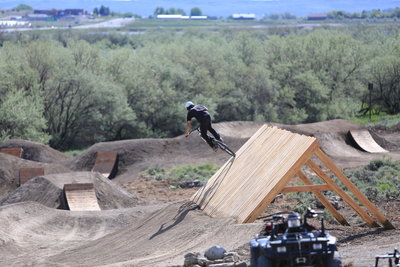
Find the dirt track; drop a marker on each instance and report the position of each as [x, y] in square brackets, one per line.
[141, 227]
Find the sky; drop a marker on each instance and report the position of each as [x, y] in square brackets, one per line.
[217, 8]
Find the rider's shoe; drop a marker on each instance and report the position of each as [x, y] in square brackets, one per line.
[220, 139]
[215, 148]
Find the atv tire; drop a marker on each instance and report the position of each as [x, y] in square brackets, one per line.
[335, 260]
[262, 261]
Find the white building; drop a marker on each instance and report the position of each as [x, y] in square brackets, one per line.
[163, 16]
[14, 24]
[169, 16]
[248, 16]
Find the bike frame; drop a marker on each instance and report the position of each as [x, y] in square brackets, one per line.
[216, 142]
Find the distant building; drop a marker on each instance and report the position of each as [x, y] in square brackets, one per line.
[244, 16]
[13, 24]
[62, 13]
[317, 17]
[37, 17]
[169, 16]
[199, 17]
[177, 16]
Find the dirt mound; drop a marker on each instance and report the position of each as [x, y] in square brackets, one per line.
[39, 190]
[161, 239]
[9, 171]
[36, 151]
[31, 232]
[48, 190]
[238, 129]
[140, 154]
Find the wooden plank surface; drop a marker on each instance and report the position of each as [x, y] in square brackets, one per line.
[106, 164]
[81, 197]
[262, 167]
[364, 139]
[14, 151]
[25, 174]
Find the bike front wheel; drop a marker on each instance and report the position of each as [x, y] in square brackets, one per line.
[225, 148]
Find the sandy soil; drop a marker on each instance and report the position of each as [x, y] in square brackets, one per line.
[147, 223]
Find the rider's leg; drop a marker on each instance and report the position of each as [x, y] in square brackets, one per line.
[203, 131]
[212, 131]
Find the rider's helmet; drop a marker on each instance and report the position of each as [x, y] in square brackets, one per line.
[294, 220]
[189, 105]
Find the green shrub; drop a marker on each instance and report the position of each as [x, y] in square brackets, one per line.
[187, 172]
[378, 180]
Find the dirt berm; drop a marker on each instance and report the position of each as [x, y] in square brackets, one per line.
[48, 190]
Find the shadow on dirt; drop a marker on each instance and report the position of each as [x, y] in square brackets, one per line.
[182, 212]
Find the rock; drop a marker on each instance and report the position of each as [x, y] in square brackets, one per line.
[191, 259]
[226, 264]
[215, 253]
[231, 257]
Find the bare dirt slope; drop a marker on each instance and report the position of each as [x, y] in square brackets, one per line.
[137, 233]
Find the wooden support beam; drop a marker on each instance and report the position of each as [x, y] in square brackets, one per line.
[282, 182]
[306, 188]
[323, 200]
[342, 193]
[357, 193]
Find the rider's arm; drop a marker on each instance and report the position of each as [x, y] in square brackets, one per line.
[188, 127]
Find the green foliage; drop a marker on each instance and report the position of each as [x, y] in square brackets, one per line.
[132, 86]
[188, 172]
[378, 119]
[195, 11]
[21, 117]
[379, 180]
[22, 7]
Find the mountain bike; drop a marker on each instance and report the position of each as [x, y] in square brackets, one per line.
[217, 143]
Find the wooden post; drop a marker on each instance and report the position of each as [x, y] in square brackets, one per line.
[357, 193]
[342, 193]
[323, 200]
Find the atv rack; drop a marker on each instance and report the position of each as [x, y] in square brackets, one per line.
[390, 256]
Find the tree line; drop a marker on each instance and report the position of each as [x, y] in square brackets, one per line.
[75, 89]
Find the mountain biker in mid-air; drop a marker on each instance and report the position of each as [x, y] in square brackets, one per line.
[201, 114]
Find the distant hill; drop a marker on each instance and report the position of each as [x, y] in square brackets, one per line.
[224, 8]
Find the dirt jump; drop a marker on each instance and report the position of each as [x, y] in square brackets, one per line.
[146, 223]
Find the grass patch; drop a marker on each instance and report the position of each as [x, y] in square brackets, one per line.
[200, 172]
[74, 153]
[378, 119]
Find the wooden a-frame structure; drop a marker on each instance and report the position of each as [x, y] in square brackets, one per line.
[245, 185]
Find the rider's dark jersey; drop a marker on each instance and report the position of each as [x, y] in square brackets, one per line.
[199, 112]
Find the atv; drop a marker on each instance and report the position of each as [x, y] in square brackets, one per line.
[288, 241]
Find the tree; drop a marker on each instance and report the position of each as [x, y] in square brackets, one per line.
[376, 13]
[96, 11]
[104, 11]
[364, 14]
[274, 16]
[159, 11]
[385, 73]
[195, 11]
[181, 12]
[22, 7]
[22, 117]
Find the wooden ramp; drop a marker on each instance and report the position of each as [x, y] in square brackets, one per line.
[14, 151]
[106, 164]
[263, 166]
[365, 141]
[81, 197]
[25, 174]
